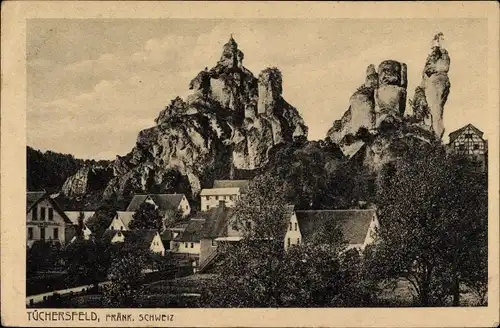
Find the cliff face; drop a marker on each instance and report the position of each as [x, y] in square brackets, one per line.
[379, 106]
[230, 120]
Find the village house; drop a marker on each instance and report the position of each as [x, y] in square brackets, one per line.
[167, 204]
[45, 220]
[188, 241]
[169, 234]
[121, 221]
[228, 191]
[469, 141]
[74, 216]
[148, 239]
[358, 226]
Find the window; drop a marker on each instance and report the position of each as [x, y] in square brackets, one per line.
[216, 197]
[112, 228]
[192, 245]
[476, 146]
[214, 243]
[30, 233]
[298, 241]
[461, 146]
[56, 233]
[231, 197]
[34, 213]
[248, 225]
[208, 207]
[295, 226]
[51, 214]
[468, 135]
[290, 226]
[42, 213]
[186, 245]
[207, 197]
[288, 242]
[121, 227]
[42, 233]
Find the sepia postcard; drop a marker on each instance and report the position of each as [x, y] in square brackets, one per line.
[250, 164]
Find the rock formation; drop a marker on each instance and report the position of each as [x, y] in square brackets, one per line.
[231, 120]
[88, 178]
[432, 93]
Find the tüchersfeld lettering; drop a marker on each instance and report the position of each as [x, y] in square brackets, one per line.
[62, 316]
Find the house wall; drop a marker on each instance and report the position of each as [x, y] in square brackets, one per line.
[184, 206]
[371, 234]
[292, 233]
[47, 225]
[117, 224]
[118, 238]
[211, 201]
[180, 247]
[157, 245]
[206, 248]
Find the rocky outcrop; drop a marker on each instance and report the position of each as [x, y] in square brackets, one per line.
[231, 120]
[380, 99]
[432, 93]
[87, 179]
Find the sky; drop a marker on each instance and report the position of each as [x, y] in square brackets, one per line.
[93, 84]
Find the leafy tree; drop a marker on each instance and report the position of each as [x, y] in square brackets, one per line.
[86, 261]
[125, 275]
[147, 217]
[100, 221]
[433, 223]
[42, 255]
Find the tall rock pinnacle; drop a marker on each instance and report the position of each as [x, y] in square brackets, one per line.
[432, 93]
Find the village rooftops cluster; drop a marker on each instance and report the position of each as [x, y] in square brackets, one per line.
[197, 236]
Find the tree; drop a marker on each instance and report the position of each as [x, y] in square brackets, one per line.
[432, 217]
[100, 221]
[42, 255]
[250, 272]
[86, 262]
[125, 275]
[147, 217]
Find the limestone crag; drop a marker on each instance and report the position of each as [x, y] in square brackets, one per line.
[231, 119]
[432, 93]
[85, 180]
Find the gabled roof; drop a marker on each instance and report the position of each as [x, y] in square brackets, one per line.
[33, 198]
[455, 134]
[219, 191]
[163, 201]
[193, 232]
[140, 238]
[125, 217]
[75, 215]
[242, 184]
[216, 221]
[354, 223]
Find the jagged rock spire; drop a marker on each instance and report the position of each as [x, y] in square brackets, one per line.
[231, 55]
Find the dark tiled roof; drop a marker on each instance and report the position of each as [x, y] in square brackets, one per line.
[163, 201]
[108, 235]
[453, 135]
[33, 198]
[140, 238]
[354, 223]
[167, 235]
[216, 221]
[193, 231]
[242, 184]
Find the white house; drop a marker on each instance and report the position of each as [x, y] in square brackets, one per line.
[121, 221]
[165, 203]
[45, 220]
[228, 191]
[188, 241]
[141, 238]
[74, 217]
[358, 226]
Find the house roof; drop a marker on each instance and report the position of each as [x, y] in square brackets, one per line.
[75, 215]
[140, 238]
[193, 232]
[455, 134]
[216, 221]
[219, 191]
[126, 217]
[33, 198]
[354, 223]
[163, 201]
[242, 184]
